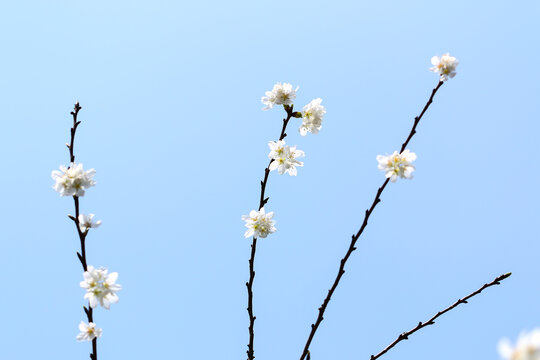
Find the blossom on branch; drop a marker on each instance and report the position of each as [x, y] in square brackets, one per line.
[284, 157]
[259, 224]
[445, 65]
[397, 165]
[281, 94]
[88, 331]
[73, 181]
[312, 116]
[100, 287]
[527, 347]
[85, 222]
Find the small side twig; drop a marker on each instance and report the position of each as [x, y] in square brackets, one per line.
[262, 202]
[355, 237]
[405, 335]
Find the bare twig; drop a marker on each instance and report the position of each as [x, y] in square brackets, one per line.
[262, 202]
[405, 335]
[82, 235]
[355, 237]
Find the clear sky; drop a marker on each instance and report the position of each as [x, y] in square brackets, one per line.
[172, 123]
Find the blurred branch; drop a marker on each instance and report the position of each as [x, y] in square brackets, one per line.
[355, 237]
[405, 335]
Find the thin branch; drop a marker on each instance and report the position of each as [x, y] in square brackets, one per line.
[405, 335]
[82, 236]
[76, 123]
[262, 202]
[355, 237]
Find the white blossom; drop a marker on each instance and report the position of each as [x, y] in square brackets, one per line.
[312, 116]
[88, 331]
[73, 181]
[100, 287]
[85, 222]
[397, 165]
[284, 157]
[281, 94]
[259, 224]
[445, 65]
[526, 348]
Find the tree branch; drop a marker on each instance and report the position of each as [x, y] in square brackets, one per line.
[405, 335]
[82, 236]
[262, 202]
[355, 237]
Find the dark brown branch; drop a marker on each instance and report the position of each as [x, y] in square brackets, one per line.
[76, 123]
[417, 119]
[262, 202]
[355, 237]
[405, 335]
[82, 236]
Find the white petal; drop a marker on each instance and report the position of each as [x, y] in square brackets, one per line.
[83, 326]
[111, 279]
[505, 349]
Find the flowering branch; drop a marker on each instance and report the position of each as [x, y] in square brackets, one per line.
[82, 235]
[99, 284]
[262, 202]
[355, 237]
[405, 335]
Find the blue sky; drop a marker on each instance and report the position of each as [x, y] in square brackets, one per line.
[172, 123]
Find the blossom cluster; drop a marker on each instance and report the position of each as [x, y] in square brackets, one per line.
[281, 94]
[86, 222]
[88, 331]
[73, 180]
[284, 157]
[312, 114]
[100, 287]
[445, 65]
[526, 348]
[259, 223]
[397, 165]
